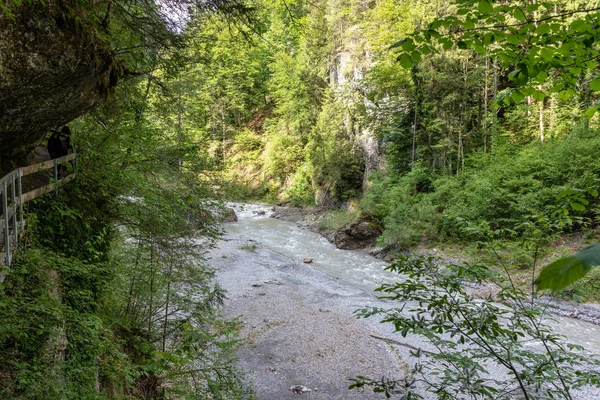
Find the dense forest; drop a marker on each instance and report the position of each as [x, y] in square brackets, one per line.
[443, 144]
[467, 126]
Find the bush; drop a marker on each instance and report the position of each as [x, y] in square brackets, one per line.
[500, 190]
[469, 338]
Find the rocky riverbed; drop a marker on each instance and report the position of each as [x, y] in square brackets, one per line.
[301, 336]
[298, 323]
[309, 218]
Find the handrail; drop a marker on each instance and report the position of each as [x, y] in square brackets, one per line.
[11, 228]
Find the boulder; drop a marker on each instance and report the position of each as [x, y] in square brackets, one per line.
[357, 235]
[488, 291]
[228, 215]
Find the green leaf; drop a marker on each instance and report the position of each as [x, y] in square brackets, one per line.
[504, 57]
[547, 53]
[595, 84]
[446, 43]
[397, 44]
[485, 7]
[479, 49]
[543, 29]
[517, 96]
[577, 206]
[519, 15]
[408, 45]
[488, 38]
[575, 71]
[542, 76]
[406, 61]
[563, 272]
[539, 95]
[514, 39]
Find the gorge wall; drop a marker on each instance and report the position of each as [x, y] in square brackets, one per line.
[53, 68]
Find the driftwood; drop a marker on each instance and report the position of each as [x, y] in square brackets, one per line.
[429, 353]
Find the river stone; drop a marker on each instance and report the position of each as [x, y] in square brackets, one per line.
[308, 260]
[357, 235]
[299, 389]
[489, 291]
[228, 215]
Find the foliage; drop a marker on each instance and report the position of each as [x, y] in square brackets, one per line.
[563, 272]
[469, 337]
[500, 191]
[114, 278]
[335, 162]
[536, 41]
[336, 219]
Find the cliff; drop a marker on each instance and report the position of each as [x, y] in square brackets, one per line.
[54, 66]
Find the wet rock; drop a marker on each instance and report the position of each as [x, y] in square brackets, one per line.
[260, 212]
[228, 215]
[383, 253]
[357, 235]
[308, 260]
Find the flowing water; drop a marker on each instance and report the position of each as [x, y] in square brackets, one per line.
[355, 267]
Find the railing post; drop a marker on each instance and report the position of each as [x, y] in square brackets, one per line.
[13, 201]
[5, 218]
[20, 189]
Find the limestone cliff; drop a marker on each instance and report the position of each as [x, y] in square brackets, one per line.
[53, 68]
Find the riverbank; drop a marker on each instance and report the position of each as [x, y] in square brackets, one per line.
[309, 218]
[298, 320]
[298, 325]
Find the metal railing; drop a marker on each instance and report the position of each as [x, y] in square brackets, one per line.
[11, 192]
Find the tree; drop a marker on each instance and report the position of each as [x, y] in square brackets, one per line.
[548, 47]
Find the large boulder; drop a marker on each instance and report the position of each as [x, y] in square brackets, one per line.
[359, 234]
[53, 68]
[228, 215]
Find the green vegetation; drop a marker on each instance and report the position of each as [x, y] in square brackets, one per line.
[471, 124]
[326, 110]
[336, 219]
[110, 296]
[470, 337]
[248, 247]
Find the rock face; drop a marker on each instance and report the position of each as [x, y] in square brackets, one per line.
[357, 235]
[53, 68]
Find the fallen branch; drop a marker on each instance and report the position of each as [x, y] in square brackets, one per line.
[429, 353]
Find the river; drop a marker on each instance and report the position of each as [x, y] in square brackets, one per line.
[355, 267]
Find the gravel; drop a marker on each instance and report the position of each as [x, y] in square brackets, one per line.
[301, 336]
[299, 326]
